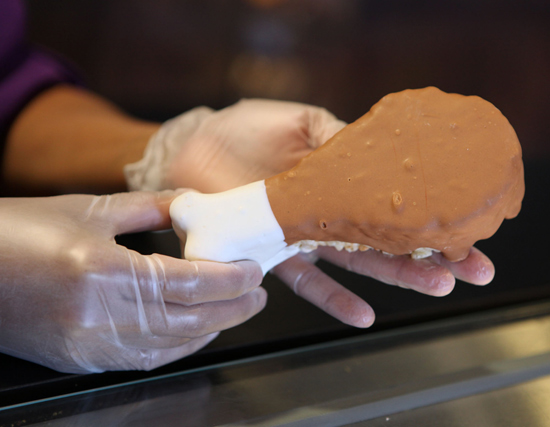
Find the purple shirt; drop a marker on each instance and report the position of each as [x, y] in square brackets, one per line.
[24, 69]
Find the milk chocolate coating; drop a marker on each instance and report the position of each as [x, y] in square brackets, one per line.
[422, 168]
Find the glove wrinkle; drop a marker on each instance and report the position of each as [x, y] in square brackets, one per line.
[193, 283]
[141, 316]
[91, 208]
[115, 338]
[157, 283]
[79, 358]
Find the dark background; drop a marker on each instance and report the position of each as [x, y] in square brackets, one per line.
[157, 59]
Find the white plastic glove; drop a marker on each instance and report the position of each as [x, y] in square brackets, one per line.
[75, 301]
[216, 151]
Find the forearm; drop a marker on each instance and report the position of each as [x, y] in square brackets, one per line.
[70, 140]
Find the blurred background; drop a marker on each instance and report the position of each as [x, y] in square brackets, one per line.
[157, 59]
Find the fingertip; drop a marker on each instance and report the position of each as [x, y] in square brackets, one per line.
[252, 271]
[444, 285]
[479, 270]
[163, 197]
[358, 314]
[261, 297]
[476, 268]
[367, 319]
[134, 211]
[258, 303]
[323, 126]
[486, 268]
[485, 272]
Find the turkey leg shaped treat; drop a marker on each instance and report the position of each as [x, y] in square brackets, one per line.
[422, 171]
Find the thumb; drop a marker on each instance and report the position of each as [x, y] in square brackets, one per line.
[134, 211]
[323, 125]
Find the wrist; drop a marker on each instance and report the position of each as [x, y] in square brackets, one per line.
[69, 140]
[149, 170]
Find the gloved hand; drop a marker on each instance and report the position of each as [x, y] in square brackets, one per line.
[216, 151]
[75, 301]
[255, 139]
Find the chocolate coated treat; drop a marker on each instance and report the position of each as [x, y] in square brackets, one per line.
[422, 169]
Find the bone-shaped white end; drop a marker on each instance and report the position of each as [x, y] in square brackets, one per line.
[234, 225]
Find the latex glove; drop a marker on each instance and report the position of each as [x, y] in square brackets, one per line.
[75, 301]
[216, 151]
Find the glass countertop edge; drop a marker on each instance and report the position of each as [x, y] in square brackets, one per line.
[449, 326]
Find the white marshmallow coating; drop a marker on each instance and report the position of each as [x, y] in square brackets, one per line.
[234, 225]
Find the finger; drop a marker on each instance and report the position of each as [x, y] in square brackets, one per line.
[132, 212]
[154, 325]
[423, 275]
[323, 125]
[202, 319]
[476, 269]
[163, 279]
[193, 282]
[309, 282]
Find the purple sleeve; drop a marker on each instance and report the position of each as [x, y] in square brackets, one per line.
[24, 70]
